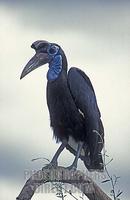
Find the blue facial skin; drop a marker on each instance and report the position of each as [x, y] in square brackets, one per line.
[55, 67]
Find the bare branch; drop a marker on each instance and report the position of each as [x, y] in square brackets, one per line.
[61, 174]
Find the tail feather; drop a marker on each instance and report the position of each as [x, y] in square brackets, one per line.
[91, 164]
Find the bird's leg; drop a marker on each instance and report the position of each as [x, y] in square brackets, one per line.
[54, 162]
[75, 162]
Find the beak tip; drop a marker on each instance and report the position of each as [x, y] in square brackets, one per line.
[22, 75]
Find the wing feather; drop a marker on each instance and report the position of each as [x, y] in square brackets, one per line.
[84, 97]
[82, 92]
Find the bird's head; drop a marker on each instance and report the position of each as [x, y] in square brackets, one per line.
[45, 53]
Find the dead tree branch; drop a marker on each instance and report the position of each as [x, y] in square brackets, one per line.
[61, 174]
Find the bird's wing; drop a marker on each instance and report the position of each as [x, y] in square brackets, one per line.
[82, 92]
[85, 99]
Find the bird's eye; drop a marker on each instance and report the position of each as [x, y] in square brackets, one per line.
[53, 50]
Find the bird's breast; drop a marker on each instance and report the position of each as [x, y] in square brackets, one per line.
[64, 115]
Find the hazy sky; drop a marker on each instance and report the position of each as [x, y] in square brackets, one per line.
[96, 37]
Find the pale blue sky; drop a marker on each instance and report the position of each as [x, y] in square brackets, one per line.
[96, 38]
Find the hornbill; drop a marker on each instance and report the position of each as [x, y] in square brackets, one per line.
[74, 114]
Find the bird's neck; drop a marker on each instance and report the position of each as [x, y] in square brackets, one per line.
[55, 68]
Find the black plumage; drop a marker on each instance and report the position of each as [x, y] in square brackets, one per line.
[74, 113]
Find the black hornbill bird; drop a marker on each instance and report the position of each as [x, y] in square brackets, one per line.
[74, 114]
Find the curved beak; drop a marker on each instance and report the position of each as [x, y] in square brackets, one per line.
[36, 61]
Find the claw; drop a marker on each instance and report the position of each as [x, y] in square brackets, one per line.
[72, 167]
[52, 164]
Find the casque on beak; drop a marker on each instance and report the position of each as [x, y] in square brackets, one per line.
[36, 61]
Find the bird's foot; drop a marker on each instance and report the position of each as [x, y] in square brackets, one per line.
[72, 167]
[52, 164]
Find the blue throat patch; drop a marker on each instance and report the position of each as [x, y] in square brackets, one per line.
[55, 67]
